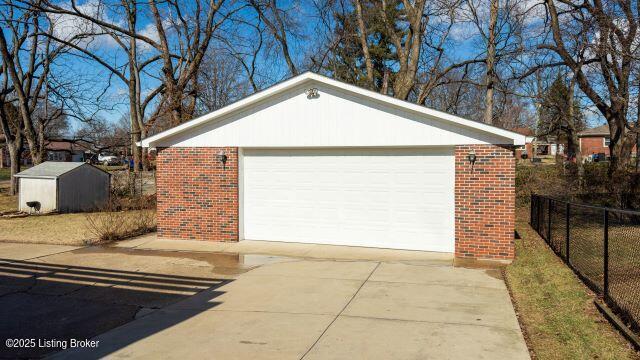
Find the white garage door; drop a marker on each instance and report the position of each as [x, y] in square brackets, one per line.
[400, 198]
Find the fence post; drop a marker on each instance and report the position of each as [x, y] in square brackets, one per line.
[531, 203]
[540, 215]
[606, 255]
[549, 222]
[567, 214]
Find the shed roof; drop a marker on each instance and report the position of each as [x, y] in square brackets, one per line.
[50, 169]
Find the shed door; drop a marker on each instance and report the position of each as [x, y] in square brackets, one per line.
[399, 198]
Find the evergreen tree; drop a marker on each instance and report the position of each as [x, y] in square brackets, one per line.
[347, 62]
[559, 115]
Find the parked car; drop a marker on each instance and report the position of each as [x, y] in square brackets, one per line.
[108, 159]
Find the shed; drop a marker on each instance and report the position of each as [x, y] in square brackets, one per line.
[63, 187]
[315, 160]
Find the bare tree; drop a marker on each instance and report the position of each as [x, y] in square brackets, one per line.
[245, 47]
[603, 33]
[278, 24]
[407, 40]
[491, 60]
[26, 83]
[12, 130]
[129, 73]
[363, 34]
[220, 82]
[29, 80]
[183, 32]
[194, 32]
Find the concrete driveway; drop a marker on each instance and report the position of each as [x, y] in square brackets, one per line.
[151, 298]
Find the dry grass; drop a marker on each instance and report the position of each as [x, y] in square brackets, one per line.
[8, 203]
[555, 308]
[72, 229]
[5, 174]
[118, 225]
[75, 229]
[63, 229]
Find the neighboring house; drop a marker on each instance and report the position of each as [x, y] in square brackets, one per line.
[537, 146]
[315, 160]
[5, 160]
[527, 148]
[595, 141]
[63, 187]
[67, 151]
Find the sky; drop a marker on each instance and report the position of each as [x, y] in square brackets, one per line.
[113, 93]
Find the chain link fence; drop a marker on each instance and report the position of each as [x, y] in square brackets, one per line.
[600, 244]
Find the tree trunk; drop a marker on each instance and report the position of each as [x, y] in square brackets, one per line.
[638, 152]
[491, 62]
[41, 147]
[573, 149]
[620, 147]
[15, 151]
[363, 43]
[135, 149]
[146, 165]
[384, 89]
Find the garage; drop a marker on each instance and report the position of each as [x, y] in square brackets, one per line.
[400, 198]
[318, 161]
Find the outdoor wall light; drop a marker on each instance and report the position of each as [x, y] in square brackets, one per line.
[312, 93]
[222, 157]
[472, 157]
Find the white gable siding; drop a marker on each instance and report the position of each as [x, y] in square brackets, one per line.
[335, 119]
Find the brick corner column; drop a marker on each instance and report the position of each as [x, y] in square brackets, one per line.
[197, 195]
[485, 202]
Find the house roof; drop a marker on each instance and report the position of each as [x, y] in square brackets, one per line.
[602, 130]
[524, 131]
[66, 146]
[513, 137]
[50, 169]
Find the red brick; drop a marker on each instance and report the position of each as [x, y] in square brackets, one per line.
[197, 196]
[485, 202]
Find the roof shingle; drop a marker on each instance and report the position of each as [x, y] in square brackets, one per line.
[602, 130]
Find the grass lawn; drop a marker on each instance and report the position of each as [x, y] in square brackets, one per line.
[556, 310]
[7, 203]
[66, 229]
[5, 174]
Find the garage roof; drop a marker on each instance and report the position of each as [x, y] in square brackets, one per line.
[50, 169]
[513, 137]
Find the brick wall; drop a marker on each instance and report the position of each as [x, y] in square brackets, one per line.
[485, 202]
[593, 145]
[197, 197]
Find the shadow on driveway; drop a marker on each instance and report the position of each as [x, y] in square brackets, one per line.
[57, 303]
